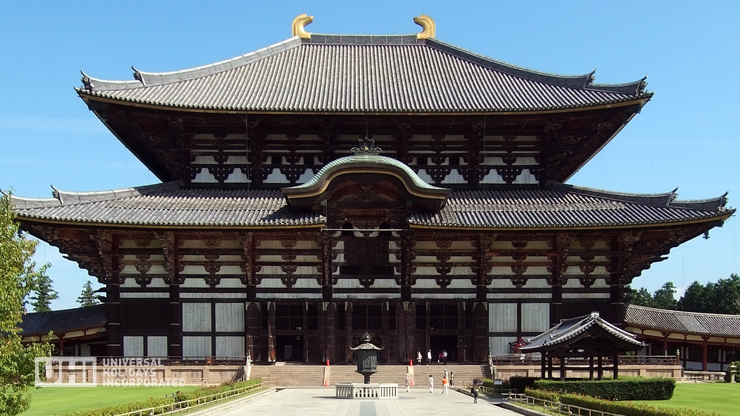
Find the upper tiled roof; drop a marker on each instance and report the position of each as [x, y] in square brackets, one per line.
[564, 206]
[560, 206]
[334, 73]
[167, 205]
[708, 324]
[569, 329]
[40, 323]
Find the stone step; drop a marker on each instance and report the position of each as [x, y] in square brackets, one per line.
[313, 375]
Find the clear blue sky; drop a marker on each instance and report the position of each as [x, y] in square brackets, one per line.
[686, 137]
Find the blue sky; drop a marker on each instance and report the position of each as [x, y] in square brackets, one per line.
[685, 138]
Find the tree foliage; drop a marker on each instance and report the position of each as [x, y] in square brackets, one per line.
[722, 297]
[43, 294]
[18, 274]
[87, 296]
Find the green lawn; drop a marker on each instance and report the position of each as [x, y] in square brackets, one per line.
[60, 400]
[721, 398]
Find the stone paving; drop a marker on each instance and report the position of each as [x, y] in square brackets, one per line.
[321, 401]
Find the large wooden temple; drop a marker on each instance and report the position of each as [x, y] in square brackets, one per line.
[330, 185]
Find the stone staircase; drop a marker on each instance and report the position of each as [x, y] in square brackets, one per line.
[308, 375]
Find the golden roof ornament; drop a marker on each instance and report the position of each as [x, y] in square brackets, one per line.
[298, 28]
[429, 29]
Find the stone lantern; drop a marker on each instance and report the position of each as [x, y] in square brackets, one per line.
[367, 357]
[733, 371]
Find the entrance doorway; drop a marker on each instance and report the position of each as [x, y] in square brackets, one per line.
[289, 347]
[440, 343]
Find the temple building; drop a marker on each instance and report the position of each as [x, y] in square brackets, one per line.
[330, 185]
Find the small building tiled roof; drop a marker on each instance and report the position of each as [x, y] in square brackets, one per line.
[557, 206]
[351, 74]
[688, 323]
[79, 319]
[569, 330]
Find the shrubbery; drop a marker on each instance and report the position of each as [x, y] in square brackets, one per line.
[621, 389]
[627, 409]
[202, 392]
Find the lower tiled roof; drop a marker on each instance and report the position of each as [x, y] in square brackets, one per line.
[558, 206]
[689, 323]
[40, 323]
[570, 329]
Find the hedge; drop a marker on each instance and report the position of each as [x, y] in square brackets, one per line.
[543, 395]
[627, 409]
[621, 389]
[131, 407]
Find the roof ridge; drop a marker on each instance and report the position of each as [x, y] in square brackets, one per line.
[148, 79]
[63, 198]
[672, 312]
[656, 199]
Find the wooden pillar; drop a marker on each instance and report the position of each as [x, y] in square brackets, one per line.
[271, 353]
[704, 347]
[549, 365]
[174, 341]
[252, 320]
[460, 355]
[543, 364]
[600, 367]
[665, 343]
[114, 339]
[330, 330]
[556, 307]
[304, 333]
[562, 367]
[348, 331]
[591, 368]
[480, 331]
[616, 365]
[385, 334]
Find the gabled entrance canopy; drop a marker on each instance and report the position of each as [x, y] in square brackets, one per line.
[585, 336]
[320, 188]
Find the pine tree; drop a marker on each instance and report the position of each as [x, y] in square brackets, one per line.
[17, 276]
[43, 294]
[87, 296]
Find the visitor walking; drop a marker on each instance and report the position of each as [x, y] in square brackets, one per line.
[452, 379]
[408, 382]
[474, 391]
[431, 384]
[445, 386]
[418, 357]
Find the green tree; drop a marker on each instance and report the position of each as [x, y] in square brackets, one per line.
[638, 297]
[87, 296]
[43, 294]
[664, 298]
[695, 298]
[18, 275]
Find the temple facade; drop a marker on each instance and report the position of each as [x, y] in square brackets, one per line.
[330, 185]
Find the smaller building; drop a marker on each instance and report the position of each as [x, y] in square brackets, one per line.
[703, 341]
[74, 332]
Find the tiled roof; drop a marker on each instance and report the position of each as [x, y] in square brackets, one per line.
[559, 206]
[569, 329]
[40, 323]
[563, 206]
[333, 73]
[693, 323]
[167, 205]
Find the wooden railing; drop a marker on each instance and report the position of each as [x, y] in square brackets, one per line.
[529, 359]
[557, 407]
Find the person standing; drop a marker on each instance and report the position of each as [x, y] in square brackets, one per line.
[444, 386]
[452, 379]
[418, 357]
[429, 357]
[444, 357]
[408, 382]
[431, 384]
